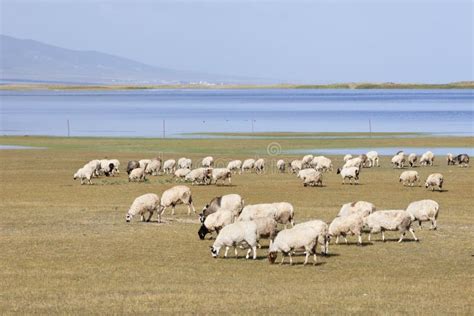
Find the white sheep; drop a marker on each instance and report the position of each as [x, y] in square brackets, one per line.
[435, 180]
[95, 166]
[391, 220]
[360, 207]
[412, 158]
[354, 162]
[347, 157]
[321, 229]
[215, 222]
[398, 160]
[137, 175]
[296, 165]
[351, 173]
[285, 213]
[116, 164]
[423, 211]
[248, 165]
[184, 163]
[427, 159]
[313, 179]
[232, 202]
[409, 178]
[177, 195]
[373, 158]
[266, 228]
[259, 166]
[450, 159]
[147, 203]
[153, 167]
[347, 225]
[234, 235]
[321, 163]
[169, 166]
[106, 167]
[181, 174]
[199, 176]
[221, 174]
[282, 212]
[281, 165]
[235, 165]
[289, 240]
[207, 162]
[302, 174]
[85, 173]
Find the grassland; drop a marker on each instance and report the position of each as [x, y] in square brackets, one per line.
[66, 249]
[356, 85]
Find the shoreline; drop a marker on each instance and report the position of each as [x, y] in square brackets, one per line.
[339, 86]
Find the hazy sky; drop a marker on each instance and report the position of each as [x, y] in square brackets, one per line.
[292, 40]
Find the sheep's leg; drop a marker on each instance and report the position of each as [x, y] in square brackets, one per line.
[226, 251]
[191, 206]
[258, 245]
[149, 217]
[383, 236]
[401, 237]
[282, 258]
[413, 234]
[291, 259]
[369, 236]
[254, 249]
[433, 224]
[307, 257]
[359, 239]
[337, 239]
[315, 259]
[236, 252]
[142, 218]
[345, 239]
[172, 209]
[248, 253]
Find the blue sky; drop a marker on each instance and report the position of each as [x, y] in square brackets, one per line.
[290, 41]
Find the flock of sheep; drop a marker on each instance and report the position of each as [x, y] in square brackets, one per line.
[243, 226]
[310, 169]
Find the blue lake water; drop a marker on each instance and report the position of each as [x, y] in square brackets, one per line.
[388, 151]
[140, 113]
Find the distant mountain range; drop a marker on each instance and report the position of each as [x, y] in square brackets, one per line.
[32, 61]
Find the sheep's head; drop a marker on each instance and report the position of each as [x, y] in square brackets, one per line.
[338, 171]
[215, 251]
[272, 257]
[128, 218]
[75, 176]
[203, 231]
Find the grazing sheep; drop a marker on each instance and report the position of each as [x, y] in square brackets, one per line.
[313, 179]
[289, 240]
[321, 229]
[137, 175]
[106, 167]
[207, 162]
[412, 158]
[132, 164]
[199, 176]
[85, 173]
[391, 220]
[373, 158]
[360, 207]
[409, 178]
[302, 174]
[266, 228]
[248, 165]
[296, 165]
[153, 167]
[347, 157]
[306, 162]
[184, 163]
[450, 159]
[434, 180]
[347, 225]
[427, 159]
[221, 174]
[147, 203]
[181, 174]
[116, 164]
[259, 166]
[321, 163]
[351, 173]
[234, 235]
[169, 166]
[177, 195]
[423, 211]
[281, 165]
[398, 160]
[144, 163]
[354, 162]
[462, 160]
[215, 222]
[232, 202]
[95, 166]
[235, 165]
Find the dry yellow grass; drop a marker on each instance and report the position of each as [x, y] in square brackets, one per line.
[65, 248]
